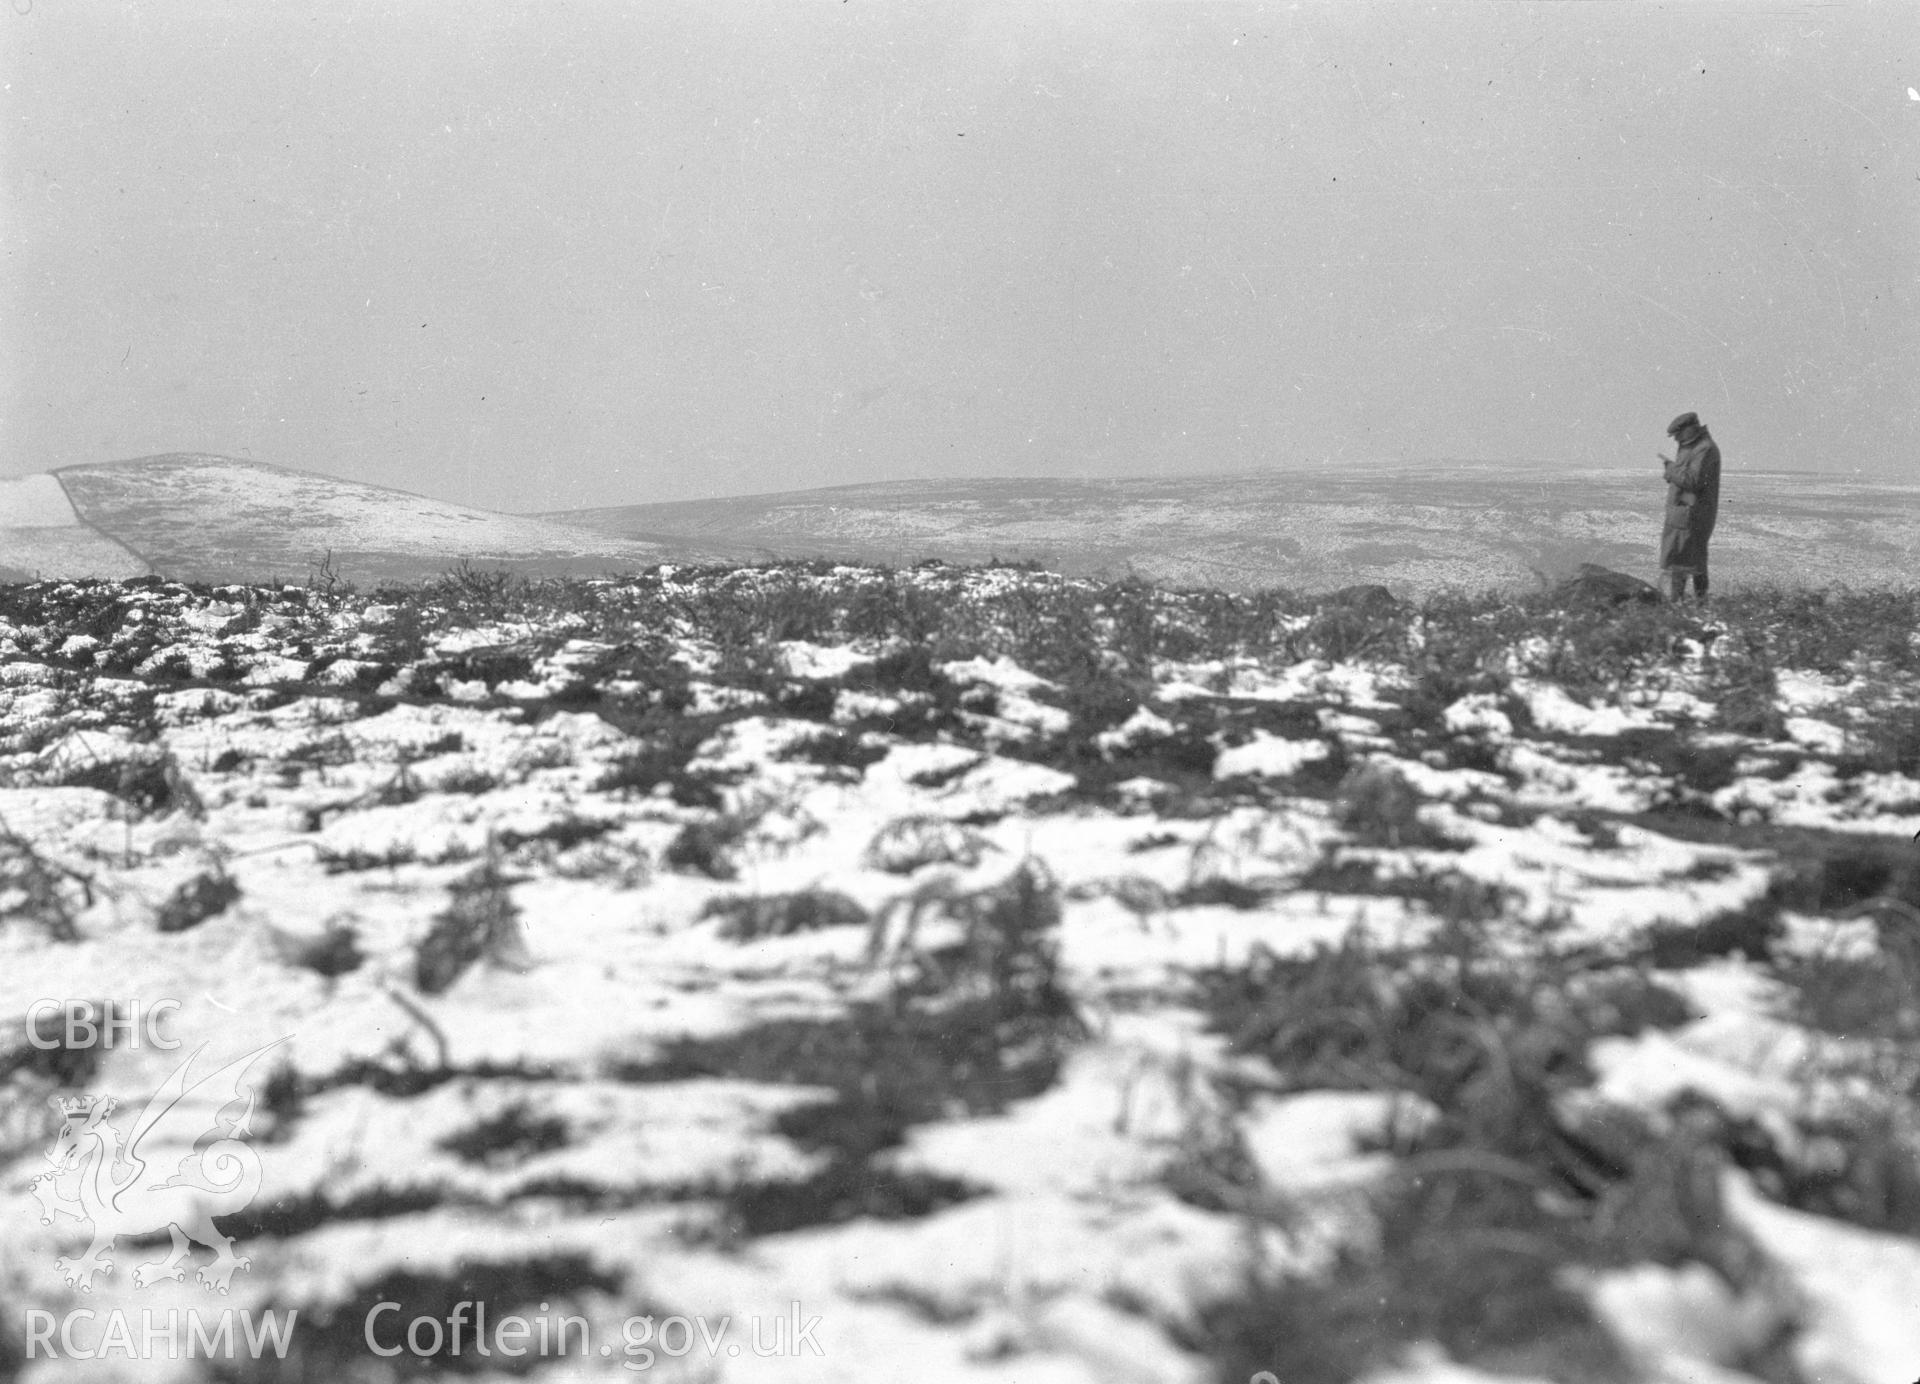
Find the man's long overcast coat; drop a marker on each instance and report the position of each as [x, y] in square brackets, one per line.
[1693, 502]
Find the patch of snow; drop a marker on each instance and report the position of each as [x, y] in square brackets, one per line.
[344, 672]
[1843, 939]
[1895, 795]
[1527, 654]
[861, 706]
[1313, 1139]
[999, 785]
[1797, 692]
[467, 641]
[1672, 704]
[1109, 1345]
[195, 704]
[265, 670]
[522, 690]
[1676, 1320]
[1347, 684]
[211, 618]
[923, 762]
[80, 750]
[1820, 736]
[801, 659]
[1549, 780]
[1102, 941]
[48, 814]
[1143, 789]
[1345, 723]
[1751, 1065]
[1115, 1117]
[1268, 756]
[1142, 726]
[1002, 673]
[1478, 713]
[1728, 985]
[1606, 896]
[1017, 714]
[13, 674]
[1557, 713]
[1181, 690]
[1814, 795]
[705, 699]
[1859, 1288]
[1361, 733]
[1445, 784]
[1427, 1363]
[1018, 718]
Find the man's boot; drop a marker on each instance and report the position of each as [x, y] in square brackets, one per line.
[1676, 586]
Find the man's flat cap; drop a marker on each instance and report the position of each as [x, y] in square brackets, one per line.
[1682, 423]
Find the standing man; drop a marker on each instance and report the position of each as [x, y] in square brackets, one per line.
[1693, 502]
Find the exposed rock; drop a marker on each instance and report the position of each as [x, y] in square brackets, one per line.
[1367, 597]
[748, 918]
[1602, 586]
[198, 899]
[333, 951]
[908, 843]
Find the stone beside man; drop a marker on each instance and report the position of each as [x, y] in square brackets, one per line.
[1693, 503]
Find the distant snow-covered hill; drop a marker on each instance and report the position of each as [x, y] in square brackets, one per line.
[217, 519]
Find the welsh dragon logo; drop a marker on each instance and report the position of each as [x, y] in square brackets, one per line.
[176, 1171]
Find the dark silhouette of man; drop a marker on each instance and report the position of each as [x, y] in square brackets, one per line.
[1693, 503]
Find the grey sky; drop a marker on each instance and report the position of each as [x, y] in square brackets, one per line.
[532, 256]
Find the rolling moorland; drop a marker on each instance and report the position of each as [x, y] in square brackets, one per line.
[1418, 531]
[1033, 978]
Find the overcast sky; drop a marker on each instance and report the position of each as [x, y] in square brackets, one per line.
[542, 255]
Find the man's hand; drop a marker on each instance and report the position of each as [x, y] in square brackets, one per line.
[1664, 457]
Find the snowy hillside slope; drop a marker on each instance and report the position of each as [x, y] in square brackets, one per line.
[1016, 978]
[208, 518]
[1416, 529]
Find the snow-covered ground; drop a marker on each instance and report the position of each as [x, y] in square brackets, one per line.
[655, 972]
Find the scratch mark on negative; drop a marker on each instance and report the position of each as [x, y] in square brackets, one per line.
[1688, 321]
[1862, 114]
